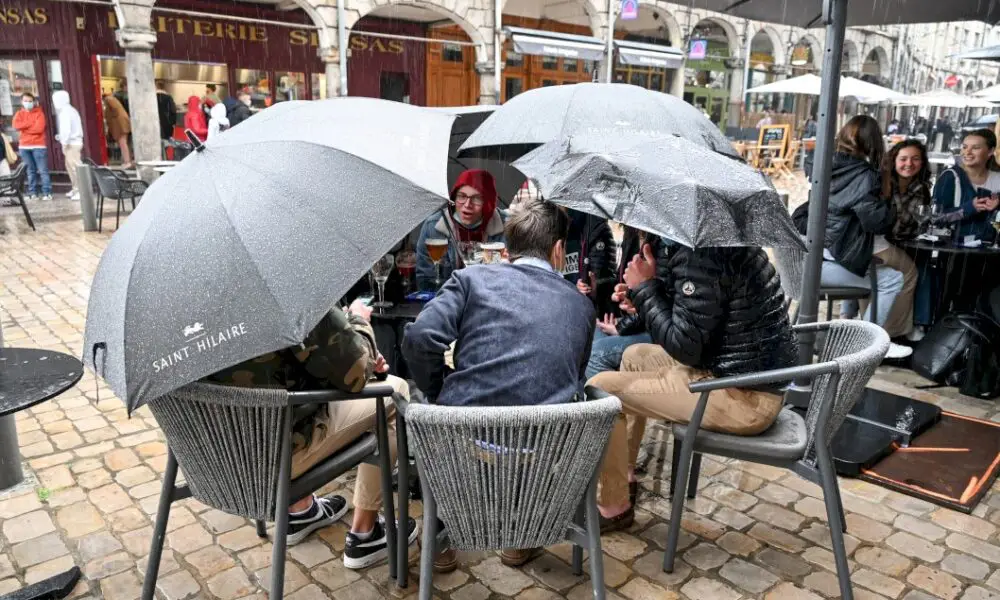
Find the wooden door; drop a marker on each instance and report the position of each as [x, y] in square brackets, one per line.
[451, 69]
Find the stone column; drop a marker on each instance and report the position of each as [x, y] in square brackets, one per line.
[677, 80]
[331, 60]
[137, 38]
[487, 91]
[736, 86]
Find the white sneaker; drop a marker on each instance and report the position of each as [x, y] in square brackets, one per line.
[897, 351]
[917, 334]
[71, 193]
[47, 197]
[75, 195]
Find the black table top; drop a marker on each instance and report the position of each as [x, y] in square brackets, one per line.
[29, 376]
[983, 250]
[401, 311]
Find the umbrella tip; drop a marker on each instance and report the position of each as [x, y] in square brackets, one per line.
[198, 146]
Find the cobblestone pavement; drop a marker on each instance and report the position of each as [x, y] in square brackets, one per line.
[753, 532]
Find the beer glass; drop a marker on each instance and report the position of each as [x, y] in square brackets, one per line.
[436, 249]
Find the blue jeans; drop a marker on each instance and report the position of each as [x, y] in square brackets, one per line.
[890, 283]
[36, 162]
[607, 350]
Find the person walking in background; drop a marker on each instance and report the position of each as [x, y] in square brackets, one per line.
[194, 119]
[240, 110]
[70, 135]
[219, 122]
[119, 127]
[167, 110]
[211, 97]
[766, 120]
[30, 124]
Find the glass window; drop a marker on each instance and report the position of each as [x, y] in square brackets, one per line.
[639, 78]
[656, 81]
[452, 52]
[319, 86]
[16, 77]
[550, 63]
[589, 66]
[291, 86]
[258, 85]
[570, 66]
[514, 59]
[548, 83]
[513, 86]
[55, 73]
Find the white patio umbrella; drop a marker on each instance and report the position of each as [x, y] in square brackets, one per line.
[946, 99]
[990, 94]
[850, 87]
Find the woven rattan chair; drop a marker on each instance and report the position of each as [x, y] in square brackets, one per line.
[234, 446]
[111, 184]
[852, 352]
[790, 264]
[511, 477]
[11, 187]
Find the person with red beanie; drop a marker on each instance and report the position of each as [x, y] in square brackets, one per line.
[472, 215]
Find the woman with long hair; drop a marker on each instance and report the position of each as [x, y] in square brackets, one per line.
[858, 214]
[967, 194]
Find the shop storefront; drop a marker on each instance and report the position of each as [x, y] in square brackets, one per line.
[646, 62]
[384, 65]
[706, 79]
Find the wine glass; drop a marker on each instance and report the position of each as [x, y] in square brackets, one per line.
[436, 249]
[996, 228]
[468, 251]
[923, 216]
[406, 264]
[380, 271]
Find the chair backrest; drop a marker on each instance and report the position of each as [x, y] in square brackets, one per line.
[107, 182]
[790, 263]
[509, 477]
[227, 441]
[11, 184]
[858, 347]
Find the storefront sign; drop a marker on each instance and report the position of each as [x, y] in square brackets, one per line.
[202, 28]
[698, 50]
[801, 55]
[629, 11]
[23, 15]
[951, 81]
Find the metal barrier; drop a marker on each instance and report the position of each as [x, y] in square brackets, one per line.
[85, 185]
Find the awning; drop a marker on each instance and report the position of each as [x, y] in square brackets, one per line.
[649, 55]
[560, 45]
[992, 54]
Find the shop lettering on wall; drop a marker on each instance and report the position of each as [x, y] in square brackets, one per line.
[203, 28]
[358, 42]
[23, 16]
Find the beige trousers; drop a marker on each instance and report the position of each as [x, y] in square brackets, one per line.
[651, 384]
[339, 424]
[900, 319]
[72, 154]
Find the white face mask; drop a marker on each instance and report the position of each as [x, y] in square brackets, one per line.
[28, 105]
[246, 101]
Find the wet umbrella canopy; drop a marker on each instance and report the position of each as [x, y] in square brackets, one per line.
[241, 248]
[605, 111]
[668, 186]
[808, 13]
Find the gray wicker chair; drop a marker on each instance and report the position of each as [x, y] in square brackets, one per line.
[790, 264]
[852, 352]
[511, 477]
[10, 188]
[234, 446]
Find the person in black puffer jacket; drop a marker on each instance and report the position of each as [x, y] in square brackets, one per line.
[711, 312]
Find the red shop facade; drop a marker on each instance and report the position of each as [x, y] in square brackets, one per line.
[46, 46]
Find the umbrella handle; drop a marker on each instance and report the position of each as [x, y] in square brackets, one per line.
[198, 146]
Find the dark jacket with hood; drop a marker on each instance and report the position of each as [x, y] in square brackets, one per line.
[631, 245]
[857, 212]
[167, 111]
[236, 111]
[590, 249]
[717, 309]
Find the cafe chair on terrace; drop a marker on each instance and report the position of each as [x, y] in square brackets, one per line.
[10, 189]
[111, 184]
[511, 477]
[852, 352]
[234, 446]
[790, 264]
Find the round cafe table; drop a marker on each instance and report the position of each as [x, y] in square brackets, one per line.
[955, 261]
[28, 376]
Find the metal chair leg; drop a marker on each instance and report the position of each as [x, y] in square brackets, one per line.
[677, 501]
[831, 494]
[840, 501]
[281, 511]
[385, 467]
[581, 520]
[100, 212]
[428, 548]
[118, 212]
[24, 209]
[403, 498]
[693, 478]
[160, 528]
[829, 309]
[261, 529]
[594, 542]
[675, 460]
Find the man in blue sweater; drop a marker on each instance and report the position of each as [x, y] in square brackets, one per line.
[522, 332]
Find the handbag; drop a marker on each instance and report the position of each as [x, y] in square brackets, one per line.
[962, 350]
[8, 150]
[800, 218]
[937, 355]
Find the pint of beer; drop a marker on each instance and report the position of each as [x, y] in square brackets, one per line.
[492, 252]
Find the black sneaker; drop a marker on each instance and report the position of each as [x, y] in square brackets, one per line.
[359, 554]
[324, 511]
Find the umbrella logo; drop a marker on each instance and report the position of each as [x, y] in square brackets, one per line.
[688, 288]
[195, 329]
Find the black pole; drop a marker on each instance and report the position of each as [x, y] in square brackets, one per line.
[835, 17]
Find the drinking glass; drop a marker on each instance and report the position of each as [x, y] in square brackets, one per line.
[406, 264]
[468, 251]
[923, 216]
[436, 249]
[996, 228]
[381, 270]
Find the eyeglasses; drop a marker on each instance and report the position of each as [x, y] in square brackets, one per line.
[475, 201]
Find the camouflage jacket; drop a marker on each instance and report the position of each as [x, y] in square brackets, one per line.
[339, 353]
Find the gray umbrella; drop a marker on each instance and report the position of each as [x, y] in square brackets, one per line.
[601, 110]
[242, 247]
[668, 186]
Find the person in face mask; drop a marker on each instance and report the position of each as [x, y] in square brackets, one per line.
[240, 110]
[472, 216]
[30, 123]
[70, 135]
